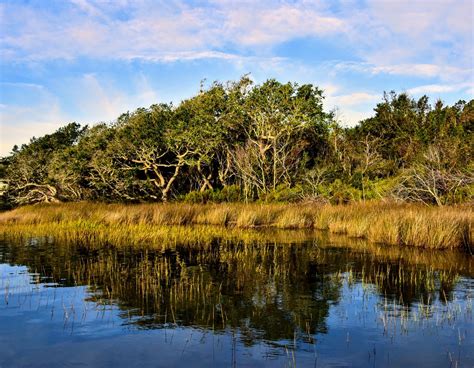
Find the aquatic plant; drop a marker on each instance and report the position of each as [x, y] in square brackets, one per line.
[379, 222]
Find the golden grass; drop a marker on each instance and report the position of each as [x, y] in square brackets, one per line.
[378, 222]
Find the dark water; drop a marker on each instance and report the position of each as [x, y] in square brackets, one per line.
[234, 304]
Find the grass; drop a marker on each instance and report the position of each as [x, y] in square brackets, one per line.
[377, 222]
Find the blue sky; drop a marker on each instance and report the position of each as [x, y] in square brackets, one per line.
[90, 60]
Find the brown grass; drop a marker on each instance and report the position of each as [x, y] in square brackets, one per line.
[378, 222]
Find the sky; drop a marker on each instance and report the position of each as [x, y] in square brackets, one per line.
[91, 60]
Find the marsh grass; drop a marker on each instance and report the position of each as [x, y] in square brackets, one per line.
[378, 222]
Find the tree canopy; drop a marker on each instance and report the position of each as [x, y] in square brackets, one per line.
[240, 141]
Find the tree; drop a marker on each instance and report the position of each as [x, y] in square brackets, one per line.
[437, 178]
[261, 140]
[28, 175]
[142, 148]
[282, 122]
[200, 127]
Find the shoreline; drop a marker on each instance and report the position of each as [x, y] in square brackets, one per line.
[450, 227]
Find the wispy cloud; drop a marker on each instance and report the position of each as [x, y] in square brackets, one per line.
[98, 100]
[425, 48]
[125, 29]
[351, 107]
[266, 24]
[388, 36]
[420, 70]
[94, 100]
[431, 89]
[154, 30]
[21, 121]
[354, 99]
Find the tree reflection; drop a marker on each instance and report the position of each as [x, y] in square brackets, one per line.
[268, 291]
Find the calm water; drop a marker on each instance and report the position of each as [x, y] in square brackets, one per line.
[234, 304]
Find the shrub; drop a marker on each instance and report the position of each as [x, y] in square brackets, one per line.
[196, 196]
[231, 193]
[341, 193]
[284, 194]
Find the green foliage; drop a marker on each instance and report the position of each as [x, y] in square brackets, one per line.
[243, 142]
[231, 193]
[283, 193]
[196, 196]
[339, 192]
[29, 172]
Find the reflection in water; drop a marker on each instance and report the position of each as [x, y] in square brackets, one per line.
[236, 303]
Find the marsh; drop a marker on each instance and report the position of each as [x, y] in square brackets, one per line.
[284, 298]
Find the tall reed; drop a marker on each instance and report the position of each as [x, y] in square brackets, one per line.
[380, 222]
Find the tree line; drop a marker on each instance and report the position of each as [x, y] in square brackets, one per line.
[238, 141]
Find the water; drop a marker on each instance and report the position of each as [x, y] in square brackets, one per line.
[311, 304]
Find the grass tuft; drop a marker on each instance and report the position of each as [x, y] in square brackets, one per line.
[378, 222]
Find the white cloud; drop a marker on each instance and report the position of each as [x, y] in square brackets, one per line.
[402, 30]
[352, 107]
[154, 30]
[94, 101]
[389, 37]
[350, 117]
[421, 70]
[268, 24]
[439, 88]
[18, 123]
[424, 70]
[378, 31]
[354, 99]
[403, 38]
[86, 6]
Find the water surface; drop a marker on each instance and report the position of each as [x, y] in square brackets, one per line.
[230, 303]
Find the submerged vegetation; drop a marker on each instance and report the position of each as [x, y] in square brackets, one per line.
[384, 223]
[239, 142]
